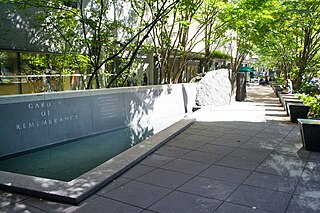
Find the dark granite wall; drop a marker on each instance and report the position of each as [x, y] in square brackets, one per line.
[33, 121]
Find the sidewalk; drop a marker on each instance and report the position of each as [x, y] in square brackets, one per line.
[245, 157]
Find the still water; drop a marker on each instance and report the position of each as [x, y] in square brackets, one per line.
[70, 160]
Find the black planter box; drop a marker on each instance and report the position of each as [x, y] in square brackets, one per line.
[277, 89]
[287, 102]
[286, 96]
[310, 133]
[298, 111]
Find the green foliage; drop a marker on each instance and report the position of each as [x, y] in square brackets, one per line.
[94, 33]
[291, 39]
[309, 88]
[33, 63]
[220, 55]
[313, 102]
[94, 36]
[280, 80]
[3, 57]
[63, 63]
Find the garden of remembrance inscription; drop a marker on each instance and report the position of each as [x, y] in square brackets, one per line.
[35, 124]
[45, 109]
[38, 120]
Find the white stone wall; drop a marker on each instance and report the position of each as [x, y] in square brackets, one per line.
[214, 89]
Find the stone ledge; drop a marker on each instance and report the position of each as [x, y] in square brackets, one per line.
[85, 185]
[9, 99]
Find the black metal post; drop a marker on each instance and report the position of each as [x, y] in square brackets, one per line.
[19, 72]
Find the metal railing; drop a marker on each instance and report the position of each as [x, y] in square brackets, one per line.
[37, 83]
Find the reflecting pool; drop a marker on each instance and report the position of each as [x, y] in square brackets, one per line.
[73, 158]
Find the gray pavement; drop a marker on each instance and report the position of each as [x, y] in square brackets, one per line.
[246, 157]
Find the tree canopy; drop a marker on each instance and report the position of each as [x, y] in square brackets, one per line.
[106, 36]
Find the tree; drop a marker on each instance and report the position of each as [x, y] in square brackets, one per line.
[91, 30]
[214, 28]
[256, 24]
[173, 41]
[305, 15]
[191, 24]
[236, 17]
[292, 39]
[276, 39]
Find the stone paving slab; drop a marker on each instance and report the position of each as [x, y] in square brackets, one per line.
[184, 202]
[231, 207]
[265, 199]
[267, 171]
[209, 187]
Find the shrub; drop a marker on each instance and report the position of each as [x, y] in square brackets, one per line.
[219, 55]
[313, 102]
[280, 80]
[309, 88]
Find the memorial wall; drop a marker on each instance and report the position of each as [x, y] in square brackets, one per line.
[33, 121]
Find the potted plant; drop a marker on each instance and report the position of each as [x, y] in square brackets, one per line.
[310, 128]
[314, 103]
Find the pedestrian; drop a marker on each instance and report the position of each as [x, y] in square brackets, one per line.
[261, 82]
[266, 81]
[145, 79]
[1, 75]
[289, 86]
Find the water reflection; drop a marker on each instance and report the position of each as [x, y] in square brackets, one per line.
[70, 160]
[282, 165]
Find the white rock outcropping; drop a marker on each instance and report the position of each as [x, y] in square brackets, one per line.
[214, 89]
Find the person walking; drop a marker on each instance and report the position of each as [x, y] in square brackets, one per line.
[145, 79]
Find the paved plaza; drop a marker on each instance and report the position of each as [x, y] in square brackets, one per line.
[246, 157]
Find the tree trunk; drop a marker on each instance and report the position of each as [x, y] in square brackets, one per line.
[206, 51]
[241, 92]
